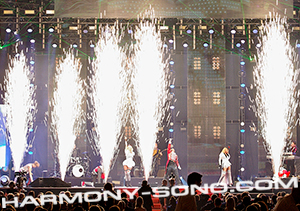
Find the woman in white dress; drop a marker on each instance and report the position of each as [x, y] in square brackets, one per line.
[128, 163]
[225, 164]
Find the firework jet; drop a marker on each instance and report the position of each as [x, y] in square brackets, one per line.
[20, 102]
[150, 83]
[275, 78]
[107, 93]
[67, 111]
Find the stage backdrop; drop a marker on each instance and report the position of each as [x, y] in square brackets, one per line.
[172, 8]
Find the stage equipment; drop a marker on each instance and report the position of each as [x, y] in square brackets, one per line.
[4, 180]
[49, 182]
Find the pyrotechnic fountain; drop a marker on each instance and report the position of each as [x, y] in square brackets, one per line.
[150, 83]
[67, 111]
[20, 102]
[107, 83]
[276, 78]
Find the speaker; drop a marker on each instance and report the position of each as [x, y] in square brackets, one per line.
[49, 182]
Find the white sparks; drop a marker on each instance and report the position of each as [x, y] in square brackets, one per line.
[275, 77]
[67, 111]
[107, 93]
[150, 83]
[20, 102]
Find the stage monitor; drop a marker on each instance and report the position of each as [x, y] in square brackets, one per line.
[128, 9]
[49, 182]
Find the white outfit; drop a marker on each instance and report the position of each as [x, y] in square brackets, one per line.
[129, 158]
[225, 163]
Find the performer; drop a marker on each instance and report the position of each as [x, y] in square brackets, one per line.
[155, 160]
[225, 164]
[98, 174]
[128, 163]
[28, 169]
[294, 148]
[172, 165]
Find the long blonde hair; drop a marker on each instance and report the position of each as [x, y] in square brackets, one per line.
[225, 150]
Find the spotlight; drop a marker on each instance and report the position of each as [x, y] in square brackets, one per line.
[238, 45]
[298, 45]
[8, 30]
[185, 44]
[172, 62]
[242, 169]
[242, 123]
[92, 45]
[30, 29]
[172, 86]
[85, 29]
[255, 30]
[32, 62]
[171, 130]
[242, 152]
[51, 29]
[172, 107]
[232, 31]
[243, 85]
[171, 41]
[188, 31]
[258, 45]
[4, 180]
[243, 41]
[54, 45]
[242, 63]
[242, 130]
[75, 45]
[130, 31]
[30, 152]
[205, 45]
[165, 45]
[211, 31]
[32, 41]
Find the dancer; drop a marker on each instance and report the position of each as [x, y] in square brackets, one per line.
[28, 169]
[225, 164]
[128, 163]
[172, 165]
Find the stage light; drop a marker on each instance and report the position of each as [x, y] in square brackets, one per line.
[242, 145]
[242, 169]
[242, 130]
[8, 30]
[54, 45]
[32, 41]
[172, 86]
[255, 30]
[92, 45]
[4, 180]
[172, 107]
[242, 63]
[243, 85]
[298, 45]
[30, 152]
[242, 123]
[238, 45]
[165, 45]
[51, 29]
[29, 29]
[258, 45]
[171, 130]
[243, 41]
[85, 29]
[32, 62]
[242, 152]
[172, 62]
[205, 45]
[211, 31]
[188, 31]
[171, 41]
[233, 31]
[130, 31]
[185, 44]
[75, 45]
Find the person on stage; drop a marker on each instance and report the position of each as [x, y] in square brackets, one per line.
[225, 164]
[128, 163]
[172, 165]
[155, 160]
[28, 169]
[294, 148]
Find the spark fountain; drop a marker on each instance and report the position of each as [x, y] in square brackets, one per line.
[150, 81]
[66, 115]
[107, 92]
[276, 78]
[20, 103]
